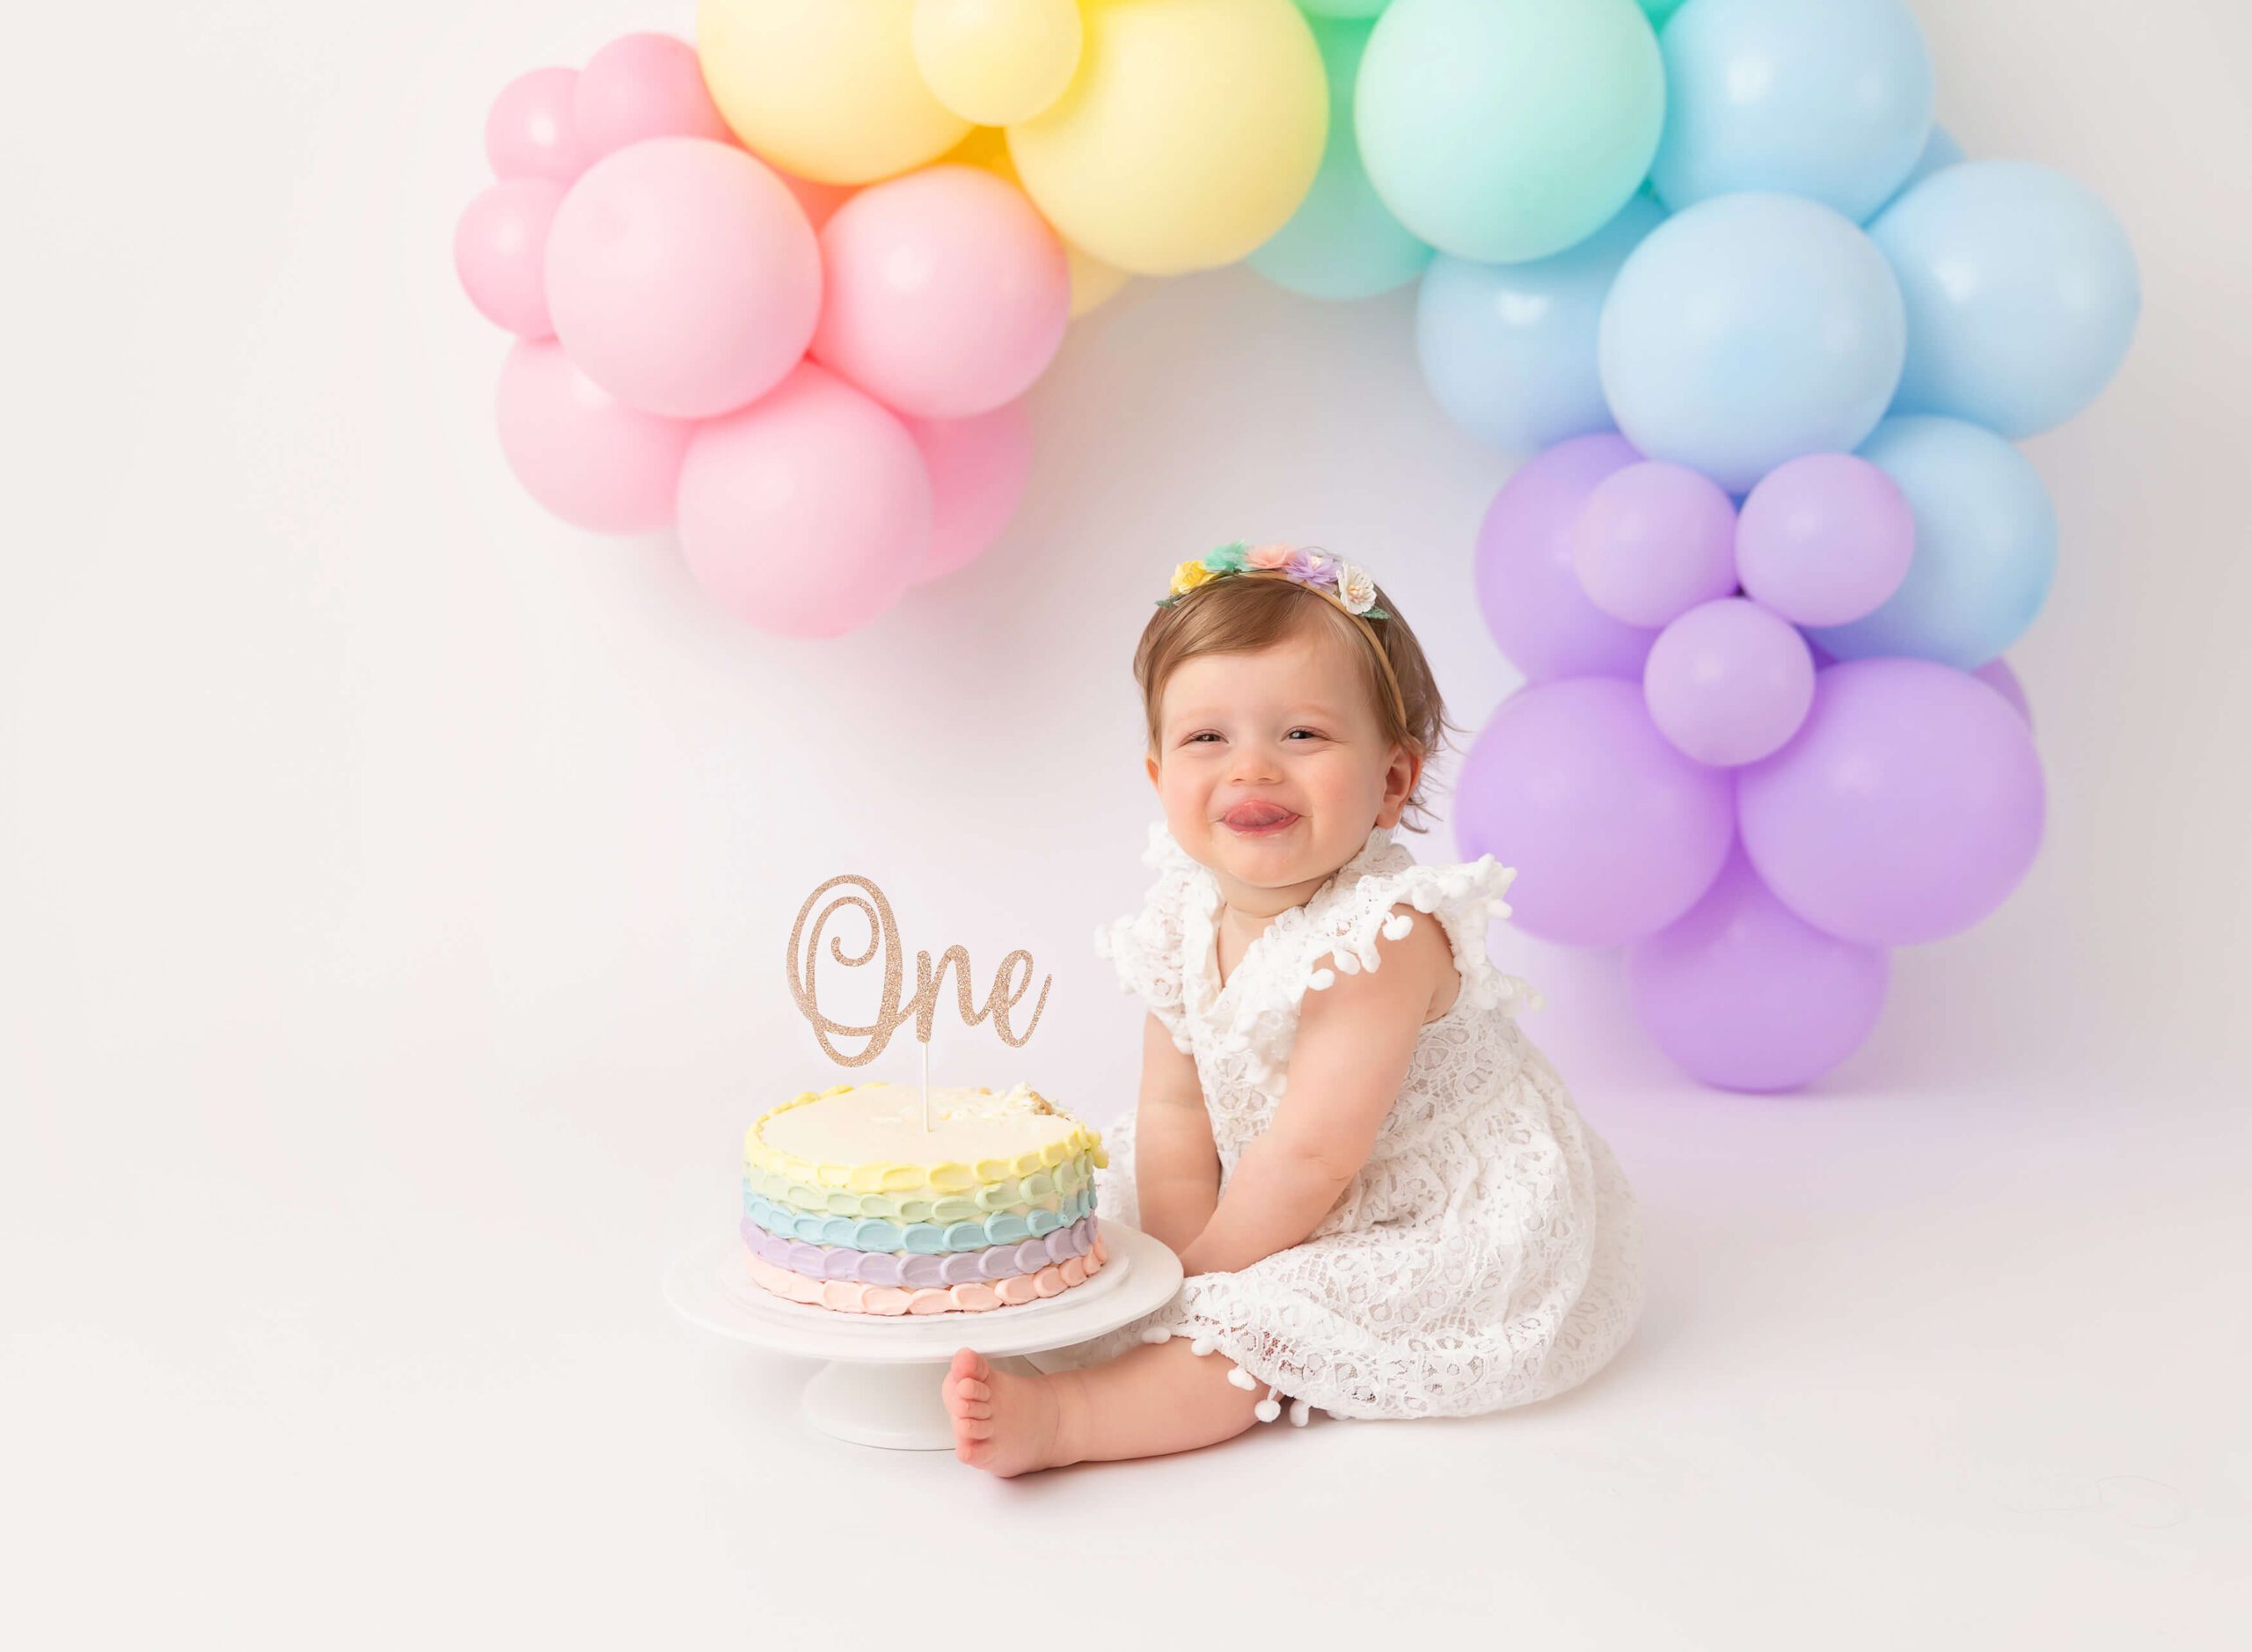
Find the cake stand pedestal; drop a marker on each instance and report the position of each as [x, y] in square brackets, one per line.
[881, 1385]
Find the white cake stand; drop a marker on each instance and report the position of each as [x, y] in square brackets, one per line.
[882, 1386]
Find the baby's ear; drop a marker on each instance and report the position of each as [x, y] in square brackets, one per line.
[1151, 762]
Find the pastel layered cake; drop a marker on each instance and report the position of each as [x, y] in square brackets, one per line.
[850, 1203]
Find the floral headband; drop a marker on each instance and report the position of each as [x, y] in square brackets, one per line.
[1350, 587]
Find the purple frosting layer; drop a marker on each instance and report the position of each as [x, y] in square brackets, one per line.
[912, 1269]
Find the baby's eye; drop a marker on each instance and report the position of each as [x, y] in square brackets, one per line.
[1310, 734]
[1193, 739]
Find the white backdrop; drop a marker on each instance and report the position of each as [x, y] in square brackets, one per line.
[395, 885]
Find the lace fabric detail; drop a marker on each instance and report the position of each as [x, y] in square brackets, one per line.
[1145, 944]
[1488, 1253]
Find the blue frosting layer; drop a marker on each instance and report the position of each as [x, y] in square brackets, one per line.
[928, 1239]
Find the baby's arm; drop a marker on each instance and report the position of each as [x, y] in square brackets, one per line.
[1354, 1043]
[1176, 1166]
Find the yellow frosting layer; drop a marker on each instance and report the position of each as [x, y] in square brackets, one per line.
[869, 1138]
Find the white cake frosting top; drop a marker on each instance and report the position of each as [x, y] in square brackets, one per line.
[879, 1123]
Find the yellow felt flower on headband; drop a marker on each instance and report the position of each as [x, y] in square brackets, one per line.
[1190, 575]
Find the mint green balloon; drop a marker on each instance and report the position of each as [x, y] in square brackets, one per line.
[1341, 243]
[1507, 130]
[1658, 11]
[1362, 8]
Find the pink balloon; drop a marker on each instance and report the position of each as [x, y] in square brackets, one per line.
[643, 86]
[1743, 994]
[1535, 605]
[978, 467]
[948, 293]
[1729, 682]
[1907, 808]
[1997, 676]
[1614, 834]
[819, 201]
[582, 453]
[529, 131]
[808, 512]
[1824, 539]
[682, 277]
[1655, 540]
[501, 251]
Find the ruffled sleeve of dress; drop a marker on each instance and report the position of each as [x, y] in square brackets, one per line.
[1337, 934]
[1463, 898]
[1146, 945]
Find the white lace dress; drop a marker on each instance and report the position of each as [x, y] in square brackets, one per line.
[1488, 1254]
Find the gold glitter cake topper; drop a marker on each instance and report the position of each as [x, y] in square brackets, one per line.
[1009, 987]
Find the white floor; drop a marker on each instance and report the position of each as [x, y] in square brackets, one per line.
[393, 886]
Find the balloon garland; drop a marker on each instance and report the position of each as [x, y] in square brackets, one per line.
[1764, 337]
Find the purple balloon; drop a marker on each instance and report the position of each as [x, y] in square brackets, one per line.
[1729, 682]
[1906, 809]
[1654, 541]
[1534, 603]
[1614, 834]
[1824, 539]
[1745, 994]
[1998, 677]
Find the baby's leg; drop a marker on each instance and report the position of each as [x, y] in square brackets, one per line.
[1149, 1400]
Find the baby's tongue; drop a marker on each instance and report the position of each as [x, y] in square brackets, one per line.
[1253, 816]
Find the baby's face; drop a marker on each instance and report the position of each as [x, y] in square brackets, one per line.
[1272, 765]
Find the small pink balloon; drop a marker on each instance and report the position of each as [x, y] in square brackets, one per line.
[1534, 602]
[1655, 540]
[682, 276]
[529, 131]
[809, 512]
[1824, 539]
[501, 251]
[580, 451]
[1729, 682]
[643, 86]
[978, 467]
[1997, 676]
[948, 293]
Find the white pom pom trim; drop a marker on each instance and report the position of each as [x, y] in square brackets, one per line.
[1200, 1346]
[1242, 1378]
[1266, 1411]
[1300, 1412]
[1154, 1333]
[1322, 980]
[1397, 924]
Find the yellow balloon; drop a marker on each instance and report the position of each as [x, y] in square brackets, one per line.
[1093, 281]
[1189, 134]
[996, 60]
[826, 89]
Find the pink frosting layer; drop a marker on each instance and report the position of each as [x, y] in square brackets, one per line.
[847, 1295]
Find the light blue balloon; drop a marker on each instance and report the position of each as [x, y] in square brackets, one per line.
[1659, 10]
[1985, 547]
[1341, 243]
[1830, 100]
[2021, 289]
[1507, 130]
[1941, 151]
[1749, 330]
[1509, 349]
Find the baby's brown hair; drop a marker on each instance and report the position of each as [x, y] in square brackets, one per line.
[1237, 614]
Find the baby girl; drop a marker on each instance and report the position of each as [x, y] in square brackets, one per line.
[1383, 1198]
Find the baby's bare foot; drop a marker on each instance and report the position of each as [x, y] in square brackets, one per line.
[1003, 1423]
